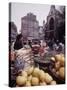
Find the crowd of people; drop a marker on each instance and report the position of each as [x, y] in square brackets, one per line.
[21, 52]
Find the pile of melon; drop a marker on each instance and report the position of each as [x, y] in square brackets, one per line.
[59, 67]
[34, 77]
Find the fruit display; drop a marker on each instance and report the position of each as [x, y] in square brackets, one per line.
[41, 74]
[34, 76]
[59, 67]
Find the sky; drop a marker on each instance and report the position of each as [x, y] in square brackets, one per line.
[19, 10]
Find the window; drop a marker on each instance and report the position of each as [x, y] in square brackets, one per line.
[51, 24]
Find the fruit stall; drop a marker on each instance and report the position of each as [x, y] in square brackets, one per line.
[41, 71]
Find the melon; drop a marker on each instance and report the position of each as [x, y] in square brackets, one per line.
[48, 78]
[35, 81]
[42, 75]
[21, 80]
[62, 72]
[24, 73]
[29, 78]
[43, 83]
[53, 82]
[58, 57]
[57, 65]
[36, 72]
[30, 70]
[28, 83]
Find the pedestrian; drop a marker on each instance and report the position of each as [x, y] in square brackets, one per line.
[54, 46]
[30, 43]
[19, 42]
[61, 47]
[50, 44]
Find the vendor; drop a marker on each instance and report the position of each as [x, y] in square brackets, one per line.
[24, 56]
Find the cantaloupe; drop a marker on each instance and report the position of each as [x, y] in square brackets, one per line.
[30, 70]
[58, 57]
[21, 80]
[48, 78]
[36, 72]
[57, 65]
[62, 62]
[42, 75]
[28, 83]
[43, 83]
[24, 73]
[53, 82]
[35, 81]
[29, 78]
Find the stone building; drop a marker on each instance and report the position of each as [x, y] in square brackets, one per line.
[54, 20]
[30, 26]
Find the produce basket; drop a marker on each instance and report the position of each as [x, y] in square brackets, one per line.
[43, 63]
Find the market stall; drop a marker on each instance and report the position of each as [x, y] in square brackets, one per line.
[38, 70]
